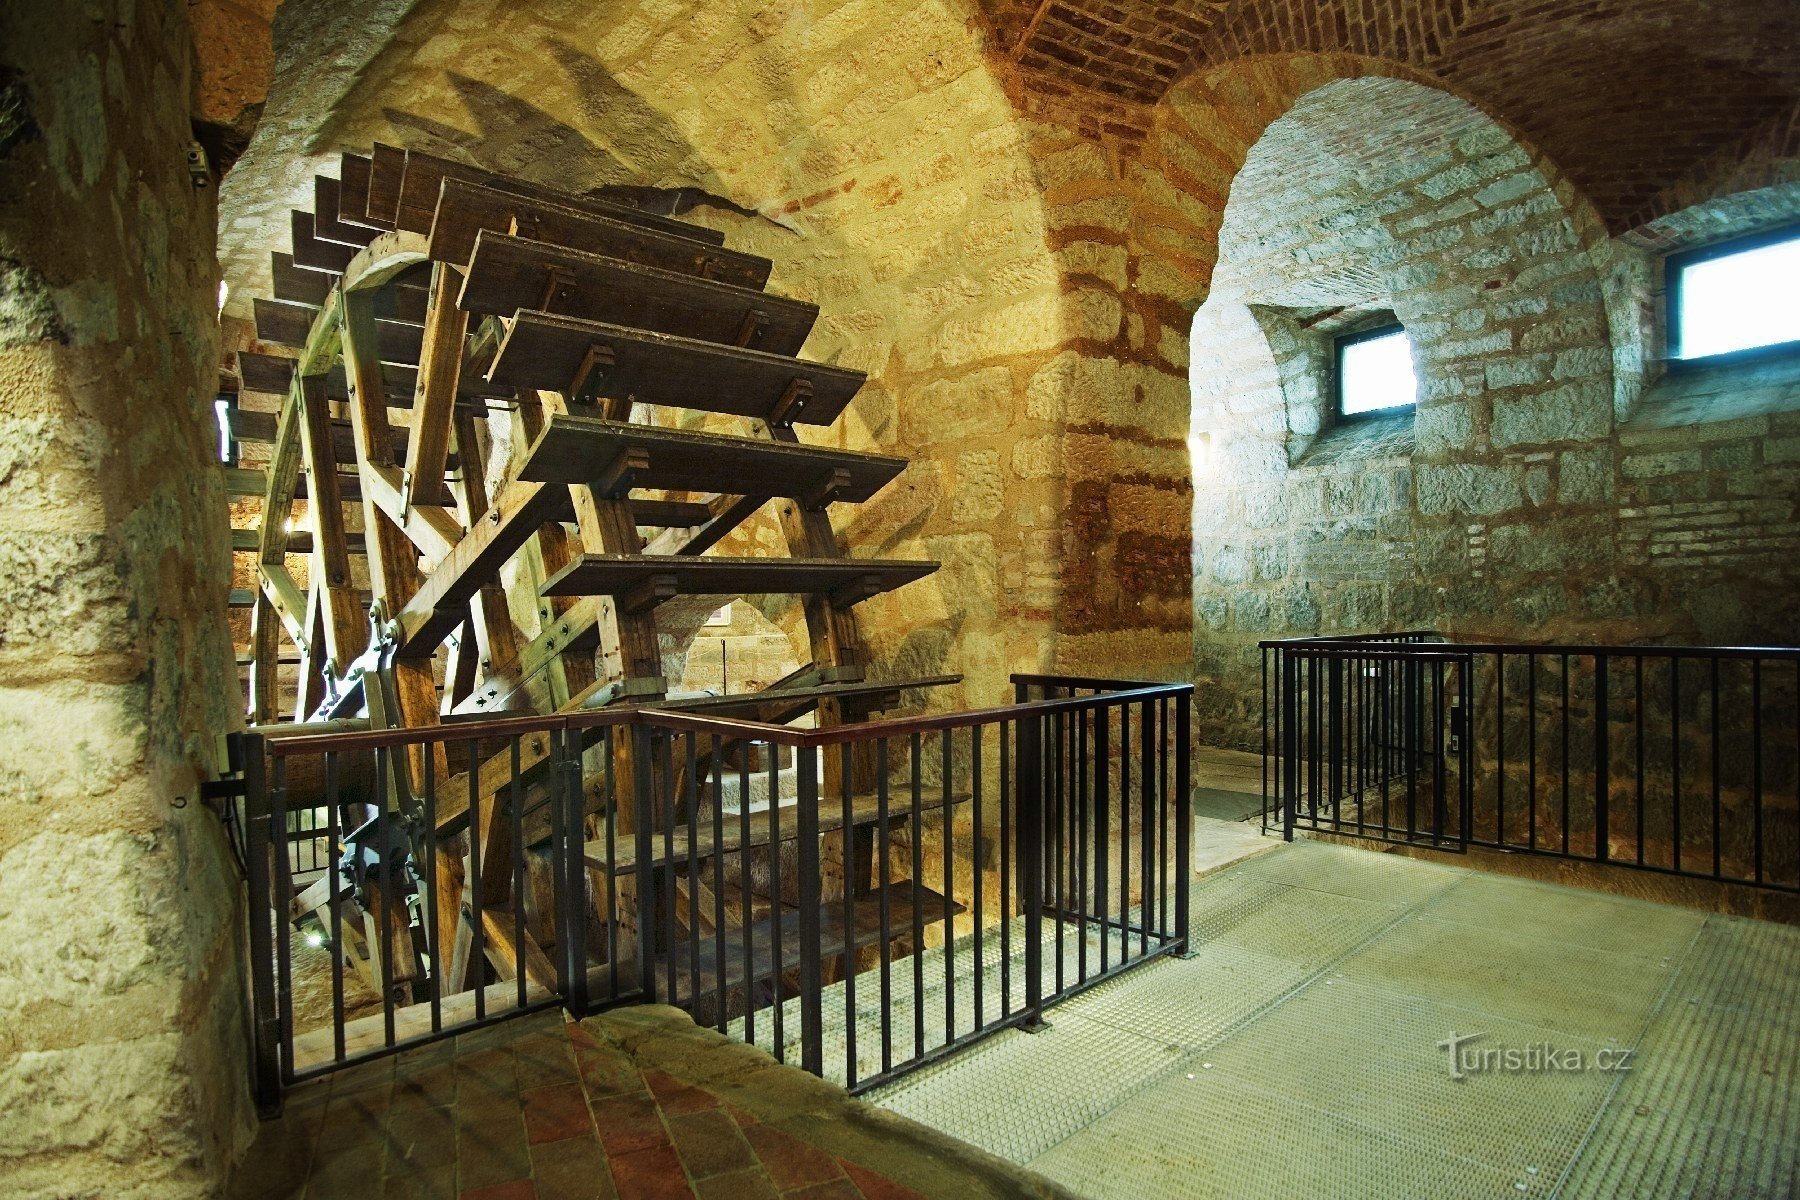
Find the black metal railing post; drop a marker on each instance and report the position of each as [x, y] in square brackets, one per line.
[1602, 762]
[1288, 739]
[643, 758]
[568, 847]
[1183, 820]
[1029, 773]
[265, 1025]
[812, 1033]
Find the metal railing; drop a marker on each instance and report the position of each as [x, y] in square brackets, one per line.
[862, 897]
[1675, 759]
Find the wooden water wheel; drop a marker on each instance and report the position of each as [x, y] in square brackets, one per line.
[430, 311]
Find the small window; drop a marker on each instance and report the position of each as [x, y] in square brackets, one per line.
[1375, 372]
[1736, 296]
[223, 407]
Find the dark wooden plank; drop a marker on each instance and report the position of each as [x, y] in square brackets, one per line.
[299, 541]
[626, 576]
[283, 322]
[578, 450]
[298, 284]
[265, 372]
[735, 972]
[309, 251]
[864, 810]
[353, 192]
[326, 225]
[247, 426]
[424, 176]
[544, 351]
[510, 273]
[465, 209]
[387, 166]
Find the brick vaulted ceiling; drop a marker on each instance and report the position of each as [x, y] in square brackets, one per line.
[1627, 96]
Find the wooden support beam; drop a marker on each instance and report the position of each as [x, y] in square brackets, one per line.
[265, 649]
[283, 476]
[343, 618]
[440, 367]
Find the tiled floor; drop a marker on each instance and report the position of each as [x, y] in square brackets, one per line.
[1300, 1051]
[636, 1104]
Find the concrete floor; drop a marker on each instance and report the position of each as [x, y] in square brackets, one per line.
[1300, 1051]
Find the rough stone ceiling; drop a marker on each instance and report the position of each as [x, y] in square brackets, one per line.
[1627, 96]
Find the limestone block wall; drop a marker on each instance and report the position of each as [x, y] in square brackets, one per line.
[122, 1036]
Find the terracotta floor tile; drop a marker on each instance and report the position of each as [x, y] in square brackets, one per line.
[606, 1072]
[572, 1169]
[556, 1112]
[653, 1174]
[517, 1189]
[752, 1184]
[790, 1162]
[677, 1098]
[628, 1123]
[709, 1144]
[876, 1187]
[492, 1153]
[832, 1189]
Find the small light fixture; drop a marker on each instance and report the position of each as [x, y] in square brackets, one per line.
[315, 937]
[224, 294]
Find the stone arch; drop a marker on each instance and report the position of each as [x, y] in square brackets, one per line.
[1436, 213]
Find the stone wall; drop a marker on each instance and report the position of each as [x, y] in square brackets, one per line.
[122, 1035]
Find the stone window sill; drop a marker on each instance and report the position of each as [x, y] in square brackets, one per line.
[1360, 440]
[1728, 391]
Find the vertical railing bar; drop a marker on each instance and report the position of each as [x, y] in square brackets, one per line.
[335, 842]
[1675, 756]
[439, 958]
[1602, 759]
[1006, 801]
[848, 841]
[1146, 823]
[1103, 829]
[1756, 768]
[1163, 816]
[884, 851]
[1637, 665]
[518, 864]
[1717, 767]
[1080, 785]
[477, 965]
[916, 832]
[1531, 750]
[284, 896]
[1184, 821]
[947, 755]
[1125, 826]
[614, 926]
[1565, 753]
[809, 890]
[978, 886]
[718, 861]
[1500, 748]
[665, 753]
[745, 749]
[690, 798]
[1031, 860]
[384, 926]
[273, 1058]
[643, 801]
[777, 948]
[1057, 783]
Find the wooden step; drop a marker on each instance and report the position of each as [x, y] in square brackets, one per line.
[412, 1022]
[672, 847]
[326, 223]
[301, 285]
[465, 209]
[507, 274]
[272, 373]
[312, 251]
[242, 483]
[549, 352]
[780, 705]
[287, 324]
[248, 426]
[353, 192]
[644, 581]
[423, 175]
[904, 897]
[583, 450]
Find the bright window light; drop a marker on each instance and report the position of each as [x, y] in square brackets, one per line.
[1375, 372]
[222, 409]
[1738, 299]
